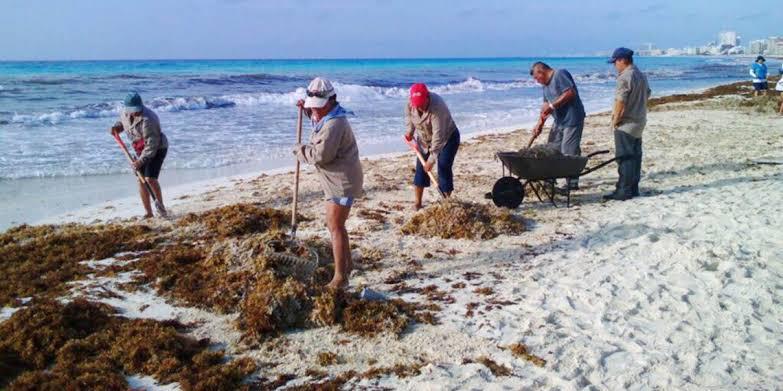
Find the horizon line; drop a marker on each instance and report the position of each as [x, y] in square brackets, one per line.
[305, 58]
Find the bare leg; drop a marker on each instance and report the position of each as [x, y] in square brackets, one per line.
[781, 105]
[145, 199]
[155, 185]
[336, 215]
[447, 195]
[419, 191]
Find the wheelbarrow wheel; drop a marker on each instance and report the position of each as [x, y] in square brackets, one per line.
[508, 192]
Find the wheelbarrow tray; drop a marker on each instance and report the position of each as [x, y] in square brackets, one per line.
[537, 169]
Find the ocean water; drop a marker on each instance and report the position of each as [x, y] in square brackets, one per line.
[227, 117]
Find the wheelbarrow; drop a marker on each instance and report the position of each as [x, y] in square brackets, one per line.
[538, 175]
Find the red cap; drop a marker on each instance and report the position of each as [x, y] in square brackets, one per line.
[419, 95]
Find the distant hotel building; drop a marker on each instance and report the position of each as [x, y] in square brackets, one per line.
[728, 44]
[758, 46]
[728, 39]
[775, 46]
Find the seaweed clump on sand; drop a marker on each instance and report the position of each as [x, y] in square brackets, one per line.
[238, 220]
[41, 260]
[541, 151]
[82, 345]
[371, 317]
[275, 305]
[454, 219]
[181, 271]
[519, 350]
[494, 367]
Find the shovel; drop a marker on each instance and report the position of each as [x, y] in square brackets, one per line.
[158, 205]
[296, 177]
[415, 147]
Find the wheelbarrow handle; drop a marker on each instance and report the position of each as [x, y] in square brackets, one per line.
[604, 164]
[598, 153]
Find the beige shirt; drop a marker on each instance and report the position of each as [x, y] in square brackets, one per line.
[146, 127]
[434, 126]
[634, 91]
[335, 155]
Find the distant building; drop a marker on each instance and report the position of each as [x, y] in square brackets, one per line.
[648, 49]
[674, 52]
[775, 46]
[728, 39]
[692, 51]
[758, 46]
[709, 50]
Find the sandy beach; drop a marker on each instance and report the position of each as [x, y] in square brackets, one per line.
[677, 289]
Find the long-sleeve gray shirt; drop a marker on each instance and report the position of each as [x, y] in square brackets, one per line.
[147, 128]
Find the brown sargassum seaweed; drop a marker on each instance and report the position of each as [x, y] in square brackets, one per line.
[454, 219]
[41, 260]
[541, 151]
[82, 345]
[232, 259]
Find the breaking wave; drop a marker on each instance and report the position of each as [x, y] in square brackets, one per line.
[346, 92]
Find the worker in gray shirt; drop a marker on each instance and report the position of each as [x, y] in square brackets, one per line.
[629, 118]
[561, 99]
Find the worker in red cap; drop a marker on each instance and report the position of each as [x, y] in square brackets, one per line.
[427, 118]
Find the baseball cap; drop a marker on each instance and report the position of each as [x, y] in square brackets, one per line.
[620, 53]
[761, 58]
[419, 95]
[318, 93]
[133, 103]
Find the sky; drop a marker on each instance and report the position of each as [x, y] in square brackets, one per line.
[229, 29]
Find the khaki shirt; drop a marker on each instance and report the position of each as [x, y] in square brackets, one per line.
[146, 127]
[335, 155]
[634, 91]
[435, 126]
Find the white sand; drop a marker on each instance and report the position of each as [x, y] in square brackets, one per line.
[678, 289]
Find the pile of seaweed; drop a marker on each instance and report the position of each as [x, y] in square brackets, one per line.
[767, 104]
[739, 88]
[274, 282]
[39, 261]
[83, 345]
[455, 219]
[541, 151]
[268, 292]
[238, 219]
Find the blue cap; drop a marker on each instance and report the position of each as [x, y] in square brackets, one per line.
[133, 103]
[621, 53]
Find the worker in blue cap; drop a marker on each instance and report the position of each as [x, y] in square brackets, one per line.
[629, 118]
[143, 127]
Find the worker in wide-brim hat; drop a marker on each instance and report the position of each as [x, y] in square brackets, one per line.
[333, 151]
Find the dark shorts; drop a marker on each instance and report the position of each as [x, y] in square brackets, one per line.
[760, 86]
[152, 168]
[445, 163]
